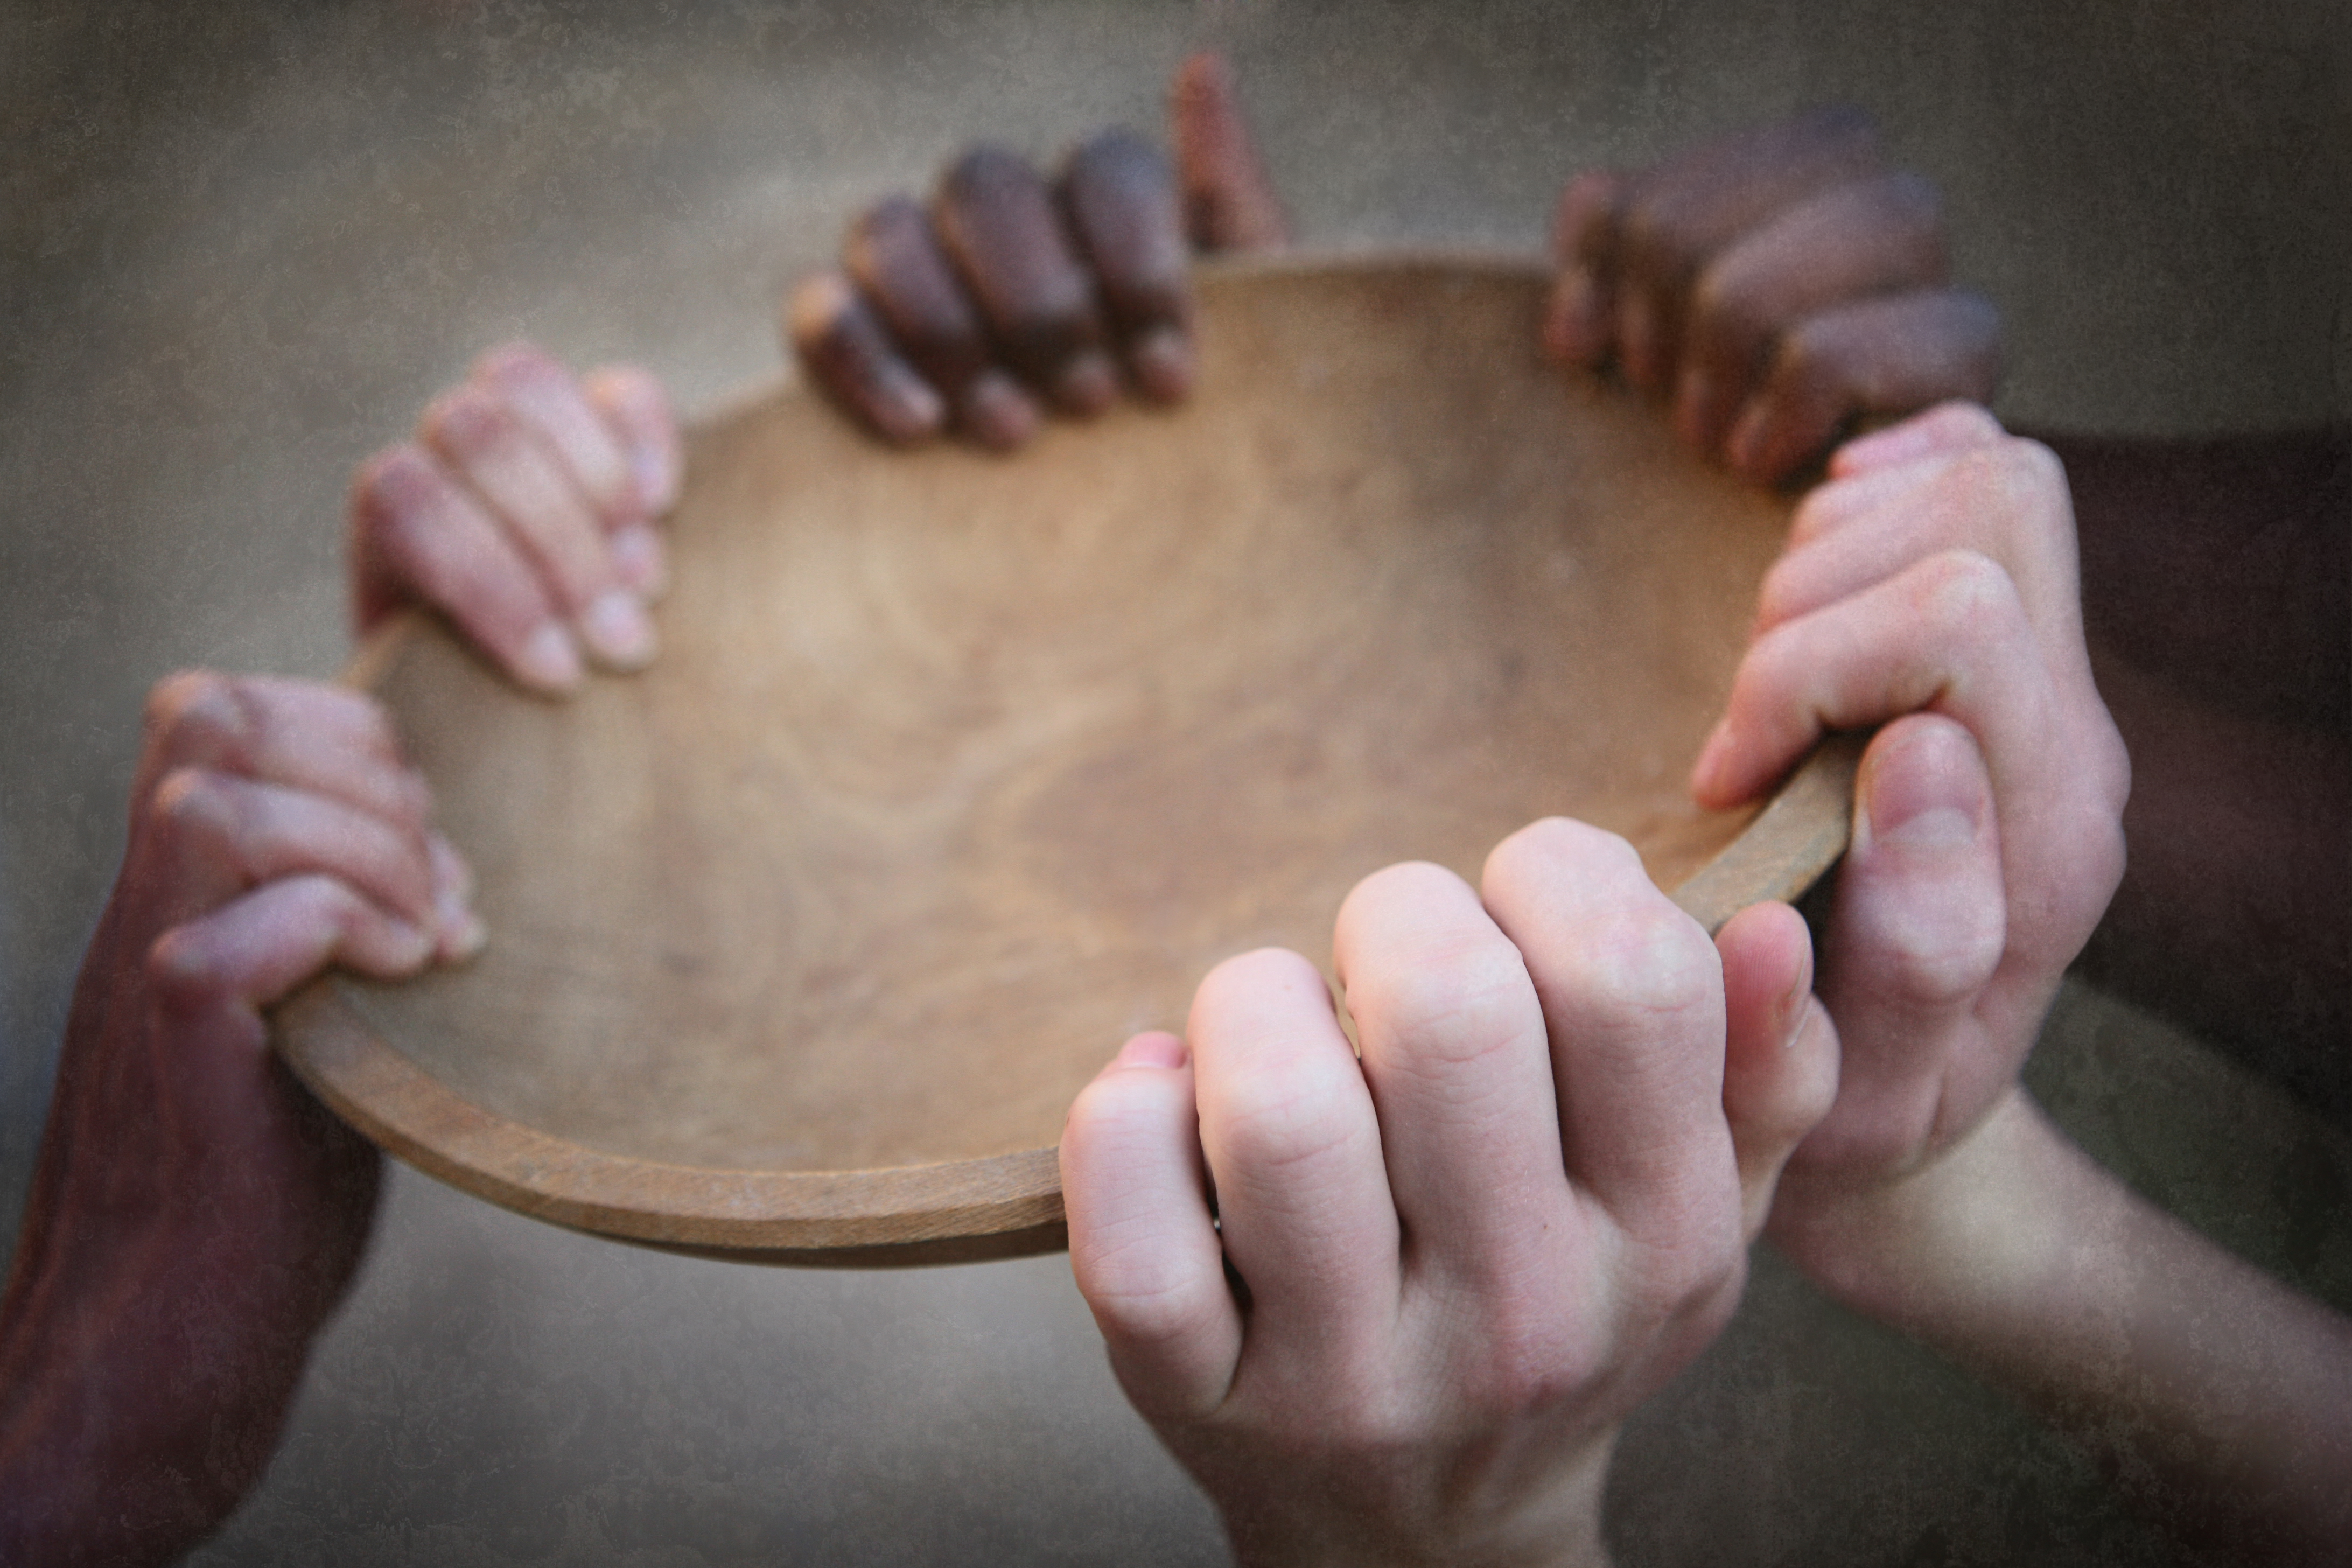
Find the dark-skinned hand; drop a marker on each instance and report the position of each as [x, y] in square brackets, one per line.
[1010, 294]
[1776, 286]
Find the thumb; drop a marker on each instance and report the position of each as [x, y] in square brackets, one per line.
[1916, 933]
[1229, 202]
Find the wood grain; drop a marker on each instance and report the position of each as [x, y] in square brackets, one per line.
[957, 770]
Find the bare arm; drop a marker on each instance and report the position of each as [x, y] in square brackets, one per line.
[2213, 1394]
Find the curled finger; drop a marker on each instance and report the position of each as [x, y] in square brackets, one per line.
[297, 733]
[1123, 207]
[209, 836]
[1001, 225]
[491, 448]
[1676, 217]
[850, 354]
[418, 535]
[1143, 1243]
[1887, 356]
[1294, 1152]
[1851, 242]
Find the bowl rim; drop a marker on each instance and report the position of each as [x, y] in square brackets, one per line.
[965, 1210]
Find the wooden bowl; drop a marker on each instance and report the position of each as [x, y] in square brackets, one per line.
[957, 769]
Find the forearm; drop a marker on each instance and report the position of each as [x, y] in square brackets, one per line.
[2211, 1391]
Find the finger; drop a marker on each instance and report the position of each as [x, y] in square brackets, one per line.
[999, 224]
[1851, 242]
[1677, 216]
[1123, 207]
[418, 533]
[1945, 428]
[1948, 632]
[255, 950]
[1888, 356]
[296, 733]
[553, 409]
[1455, 1052]
[1780, 1049]
[1632, 1001]
[2006, 500]
[1294, 1152]
[483, 443]
[1579, 314]
[636, 411]
[1229, 202]
[849, 354]
[898, 264]
[208, 837]
[1918, 929]
[1143, 1243]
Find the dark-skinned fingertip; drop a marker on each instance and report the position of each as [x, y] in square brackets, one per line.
[1164, 364]
[907, 408]
[1088, 384]
[997, 412]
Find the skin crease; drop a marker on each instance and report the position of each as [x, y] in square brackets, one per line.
[1388, 1368]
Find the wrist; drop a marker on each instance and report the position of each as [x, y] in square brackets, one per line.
[1554, 1522]
[1967, 1218]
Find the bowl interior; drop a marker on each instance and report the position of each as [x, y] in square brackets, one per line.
[958, 768]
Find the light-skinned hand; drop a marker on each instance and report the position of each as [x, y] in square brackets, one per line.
[195, 1214]
[525, 509]
[1392, 1309]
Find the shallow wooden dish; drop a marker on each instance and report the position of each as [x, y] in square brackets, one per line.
[956, 770]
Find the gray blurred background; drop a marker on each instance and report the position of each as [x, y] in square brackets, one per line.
[240, 245]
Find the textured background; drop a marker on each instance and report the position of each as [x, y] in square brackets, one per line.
[240, 245]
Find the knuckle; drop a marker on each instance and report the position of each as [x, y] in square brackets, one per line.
[181, 972]
[1697, 1264]
[1965, 595]
[1548, 847]
[195, 801]
[200, 713]
[1270, 1121]
[1649, 962]
[517, 360]
[1456, 1005]
[467, 421]
[392, 483]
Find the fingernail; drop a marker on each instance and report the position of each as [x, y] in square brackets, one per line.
[998, 412]
[1089, 383]
[1745, 450]
[1922, 794]
[616, 628]
[451, 874]
[550, 659]
[640, 560]
[1164, 363]
[914, 410]
[1571, 329]
[1694, 410]
[413, 948]
[1714, 757]
[656, 477]
[1155, 1049]
[463, 935]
